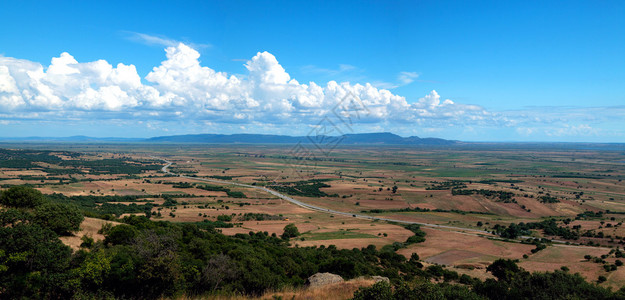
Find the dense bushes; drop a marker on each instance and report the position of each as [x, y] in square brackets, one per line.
[446, 185]
[27, 159]
[60, 218]
[235, 194]
[21, 196]
[512, 283]
[419, 209]
[24, 159]
[307, 188]
[515, 283]
[143, 259]
[419, 235]
[110, 166]
[502, 196]
[549, 227]
[99, 206]
[383, 291]
[548, 199]
[259, 217]
[146, 259]
[34, 263]
[33, 260]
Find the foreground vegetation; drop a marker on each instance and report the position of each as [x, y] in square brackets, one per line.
[142, 258]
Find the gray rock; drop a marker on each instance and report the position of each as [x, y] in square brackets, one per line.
[321, 279]
[375, 278]
[380, 278]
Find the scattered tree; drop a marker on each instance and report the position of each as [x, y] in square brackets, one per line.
[290, 231]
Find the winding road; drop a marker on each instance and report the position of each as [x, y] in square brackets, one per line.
[309, 206]
[462, 230]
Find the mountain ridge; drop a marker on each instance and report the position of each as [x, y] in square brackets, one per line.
[385, 138]
[350, 139]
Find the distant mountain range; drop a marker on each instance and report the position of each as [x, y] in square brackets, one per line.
[350, 139]
[385, 138]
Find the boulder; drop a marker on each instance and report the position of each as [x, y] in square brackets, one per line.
[375, 278]
[321, 279]
[380, 278]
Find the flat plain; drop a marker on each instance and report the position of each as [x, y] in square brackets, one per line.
[478, 190]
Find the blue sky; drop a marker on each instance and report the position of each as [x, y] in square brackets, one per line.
[468, 70]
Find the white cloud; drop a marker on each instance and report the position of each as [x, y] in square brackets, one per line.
[67, 85]
[525, 131]
[342, 69]
[180, 88]
[403, 78]
[573, 130]
[407, 77]
[151, 39]
[157, 40]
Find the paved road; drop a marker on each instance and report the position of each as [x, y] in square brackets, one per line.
[310, 206]
[474, 232]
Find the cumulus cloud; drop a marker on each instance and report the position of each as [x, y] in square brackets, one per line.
[180, 88]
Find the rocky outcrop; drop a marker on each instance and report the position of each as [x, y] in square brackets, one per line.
[321, 279]
[380, 278]
[375, 278]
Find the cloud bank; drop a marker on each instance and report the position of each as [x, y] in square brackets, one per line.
[266, 99]
[181, 88]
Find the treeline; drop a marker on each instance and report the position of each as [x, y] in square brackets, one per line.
[591, 215]
[461, 184]
[494, 181]
[306, 188]
[111, 166]
[28, 159]
[418, 237]
[548, 199]
[210, 225]
[101, 206]
[503, 196]
[23, 159]
[549, 227]
[230, 193]
[446, 185]
[259, 217]
[418, 209]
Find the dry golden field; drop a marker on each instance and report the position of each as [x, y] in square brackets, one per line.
[361, 180]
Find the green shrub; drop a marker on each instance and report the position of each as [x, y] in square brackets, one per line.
[120, 235]
[379, 291]
[22, 196]
[60, 218]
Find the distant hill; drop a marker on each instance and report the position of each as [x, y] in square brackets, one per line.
[386, 138]
[71, 139]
